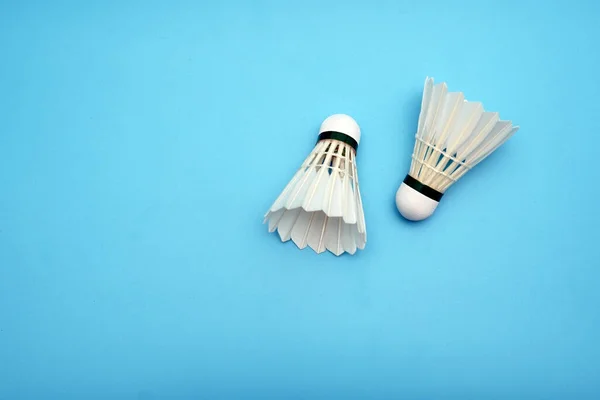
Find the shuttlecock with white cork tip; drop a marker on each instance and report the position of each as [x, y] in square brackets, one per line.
[321, 206]
[453, 136]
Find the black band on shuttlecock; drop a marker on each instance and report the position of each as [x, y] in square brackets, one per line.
[423, 189]
[342, 137]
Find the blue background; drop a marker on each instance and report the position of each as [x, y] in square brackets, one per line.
[142, 142]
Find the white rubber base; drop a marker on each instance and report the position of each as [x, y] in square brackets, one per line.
[341, 123]
[413, 205]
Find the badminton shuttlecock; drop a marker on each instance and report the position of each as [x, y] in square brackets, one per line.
[453, 136]
[321, 206]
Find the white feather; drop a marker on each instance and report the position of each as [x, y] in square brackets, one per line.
[321, 206]
[453, 136]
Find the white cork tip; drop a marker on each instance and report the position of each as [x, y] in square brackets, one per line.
[341, 123]
[413, 205]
